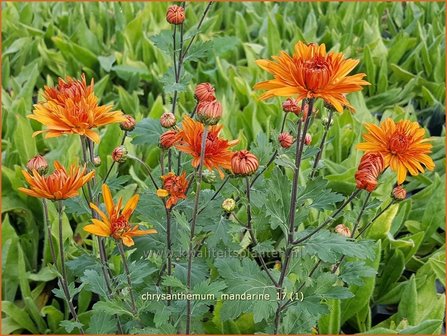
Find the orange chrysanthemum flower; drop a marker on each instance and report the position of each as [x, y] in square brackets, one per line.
[59, 185]
[72, 108]
[116, 223]
[217, 152]
[312, 73]
[173, 186]
[402, 145]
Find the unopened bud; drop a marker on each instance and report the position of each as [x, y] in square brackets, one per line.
[277, 265]
[244, 163]
[307, 139]
[168, 139]
[285, 140]
[204, 92]
[38, 163]
[175, 15]
[399, 193]
[119, 154]
[129, 124]
[343, 230]
[97, 161]
[209, 112]
[291, 105]
[229, 205]
[167, 120]
[209, 176]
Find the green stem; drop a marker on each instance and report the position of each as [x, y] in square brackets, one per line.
[119, 244]
[252, 234]
[63, 271]
[193, 226]
[321, 147]
[329, 220]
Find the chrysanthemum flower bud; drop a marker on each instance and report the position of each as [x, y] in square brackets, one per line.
[244, 163]
[204, 92]
[38, 163]
[307, 139]
[229, 205]
[325, 121]
[168, 139]
[168, 120]
[209, 112]
[399, 193]
[277, 265]
[175, 15]
[119, 154]
[209, 176]
[97, 161]
[291, 105]
[343, 230]
[285, 139]
[129, 124]
[368, 172]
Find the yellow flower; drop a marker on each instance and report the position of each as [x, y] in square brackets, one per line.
[115, 223]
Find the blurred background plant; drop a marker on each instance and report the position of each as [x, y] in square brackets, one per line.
[125, 47]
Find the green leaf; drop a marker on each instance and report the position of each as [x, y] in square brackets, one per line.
[172, 281]
[112, 308]
[246, 278]
[101, 323]
[353, 272]
[329, 247]
[428, 327]
[321, 198]
[147, 132]
[164, 41]
[70, 325]
[95, 282]
[330, 323]
[362, 294]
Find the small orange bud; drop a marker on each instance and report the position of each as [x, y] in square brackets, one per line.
[244, 163]
[307, 139]
[204, 92]
[119, 154]
[291, 105]
[209, 112]
[129, 124]
[168, 139]
[343, 230]
[38, 163]
[168, 120]
[175, 15]
[285, 139]
[399, 193]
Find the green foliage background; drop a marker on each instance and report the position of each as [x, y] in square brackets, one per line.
[122, 46]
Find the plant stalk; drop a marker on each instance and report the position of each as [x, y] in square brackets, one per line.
[193, 226]
[119, 244]
[252, 234]
[63, 270]
[321, 147]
